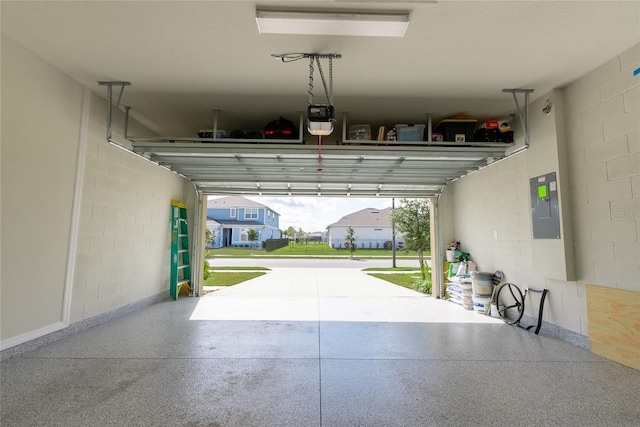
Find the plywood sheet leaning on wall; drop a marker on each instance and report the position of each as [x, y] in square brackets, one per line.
[614, 324]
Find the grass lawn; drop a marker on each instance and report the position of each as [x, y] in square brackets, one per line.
[415, 269]
[303, 249]
[213, 267]
[408, 281]
[231, 278]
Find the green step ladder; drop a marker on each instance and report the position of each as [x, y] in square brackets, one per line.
[180, 260]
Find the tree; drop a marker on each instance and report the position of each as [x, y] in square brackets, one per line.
[252, 235]
[413, 220]
[209, 237]
[350, 241]
[290, 233]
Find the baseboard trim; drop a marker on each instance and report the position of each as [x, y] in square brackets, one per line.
[557, 332]
[31, 335]
[35, 339]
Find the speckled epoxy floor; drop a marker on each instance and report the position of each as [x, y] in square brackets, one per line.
[313, 347]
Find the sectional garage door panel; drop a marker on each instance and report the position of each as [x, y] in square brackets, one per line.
[304, 170]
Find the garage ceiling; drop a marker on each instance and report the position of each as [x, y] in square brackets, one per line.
[188, 58]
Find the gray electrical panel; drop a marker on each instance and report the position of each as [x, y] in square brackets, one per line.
[544, 206]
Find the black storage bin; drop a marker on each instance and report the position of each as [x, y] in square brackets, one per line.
[487, 135]
[506, 137]
[457, 130]
[493, 135]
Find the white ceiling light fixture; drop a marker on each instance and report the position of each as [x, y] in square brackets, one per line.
[332, 24]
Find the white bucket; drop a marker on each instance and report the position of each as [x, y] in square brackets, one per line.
[482, 305]
[482, 283]
[451, 256]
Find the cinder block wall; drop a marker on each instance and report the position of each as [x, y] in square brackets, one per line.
[124, 235]
[603, 143]
[489, 211]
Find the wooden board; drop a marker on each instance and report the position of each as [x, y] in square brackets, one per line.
[614, 324]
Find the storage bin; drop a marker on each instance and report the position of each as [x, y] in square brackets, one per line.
[457, 130]
[360, 132]
[487, 135]
[506, 137]
[494, 131]
[410, 132]
[208, 133]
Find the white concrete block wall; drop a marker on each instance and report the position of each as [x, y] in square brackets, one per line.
[124, 238]
[606, 208]
[491, 215]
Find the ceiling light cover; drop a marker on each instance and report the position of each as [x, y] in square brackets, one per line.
[320, 128]
[333, 24]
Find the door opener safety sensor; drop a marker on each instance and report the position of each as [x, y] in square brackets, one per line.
[320, 117]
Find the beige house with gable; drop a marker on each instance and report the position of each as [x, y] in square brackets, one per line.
[372, 228]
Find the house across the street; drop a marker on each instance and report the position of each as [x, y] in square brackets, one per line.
[372, 229]
[231, 218]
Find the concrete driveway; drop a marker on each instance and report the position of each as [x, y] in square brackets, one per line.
[326, 290]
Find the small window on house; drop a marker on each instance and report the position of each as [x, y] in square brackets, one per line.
[377, 229]
[244, 234]
[251, 213]
[233, 213]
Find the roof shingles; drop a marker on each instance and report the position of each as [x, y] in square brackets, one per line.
[368, 217]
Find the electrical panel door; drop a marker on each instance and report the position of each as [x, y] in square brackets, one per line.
[544, 206]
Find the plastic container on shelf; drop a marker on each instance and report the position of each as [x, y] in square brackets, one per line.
[360, 132]
[410, 132]
[457, 130]
[209, 133]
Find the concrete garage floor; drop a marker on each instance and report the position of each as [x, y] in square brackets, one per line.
[313, 347]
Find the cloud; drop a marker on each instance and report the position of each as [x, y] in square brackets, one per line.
[316, 213]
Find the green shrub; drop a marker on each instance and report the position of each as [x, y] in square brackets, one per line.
[207, 273]
[424, 286]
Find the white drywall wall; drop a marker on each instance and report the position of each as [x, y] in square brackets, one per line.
[123, 241]
[40, 125]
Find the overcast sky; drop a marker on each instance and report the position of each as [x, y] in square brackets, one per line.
[316, 213]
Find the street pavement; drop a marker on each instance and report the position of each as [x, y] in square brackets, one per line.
[314, 262]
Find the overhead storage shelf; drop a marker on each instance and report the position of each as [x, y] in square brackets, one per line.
[276, 167]
[426, 140]
[182, 139]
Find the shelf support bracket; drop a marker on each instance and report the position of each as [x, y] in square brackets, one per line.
[523, 113]
[112, 111]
